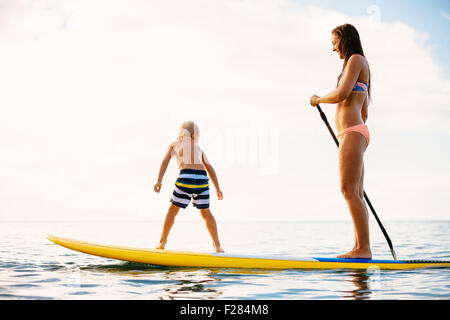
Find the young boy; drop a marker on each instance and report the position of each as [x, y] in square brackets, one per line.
[192, 183]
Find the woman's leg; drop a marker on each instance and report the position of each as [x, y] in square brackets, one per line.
[361, 192]
[351, 167]
[168, 223]
[212, 228]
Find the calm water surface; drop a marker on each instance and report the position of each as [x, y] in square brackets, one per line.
[31, 267]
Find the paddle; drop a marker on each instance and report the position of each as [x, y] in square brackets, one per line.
[324, 118]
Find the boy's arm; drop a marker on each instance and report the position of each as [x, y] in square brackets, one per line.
[212, 174]
[163, 167]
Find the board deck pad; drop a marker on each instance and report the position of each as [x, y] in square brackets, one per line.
[225, 260]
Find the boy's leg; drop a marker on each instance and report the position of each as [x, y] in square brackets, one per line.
[212, 228]
[168, 223]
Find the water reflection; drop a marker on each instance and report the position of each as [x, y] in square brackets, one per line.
[366, 283]
[201, 283]
[188, 284]
[178, 282]
[171, 282]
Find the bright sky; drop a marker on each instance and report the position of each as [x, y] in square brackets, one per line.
[93, 92]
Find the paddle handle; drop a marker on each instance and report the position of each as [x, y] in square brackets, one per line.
[391, 247]
[324, 118]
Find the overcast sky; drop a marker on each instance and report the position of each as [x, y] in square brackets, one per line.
[93, 92]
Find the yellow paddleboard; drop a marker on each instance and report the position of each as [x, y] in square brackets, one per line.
[225, 260]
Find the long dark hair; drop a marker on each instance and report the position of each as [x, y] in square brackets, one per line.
[349, 44]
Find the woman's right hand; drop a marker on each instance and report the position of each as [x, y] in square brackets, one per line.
[157, 187]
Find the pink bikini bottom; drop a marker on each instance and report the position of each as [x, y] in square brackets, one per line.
[361, 128]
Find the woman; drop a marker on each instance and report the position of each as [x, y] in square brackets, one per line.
[352, 96]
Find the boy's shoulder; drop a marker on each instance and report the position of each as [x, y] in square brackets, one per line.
[173, 144]
[178, 142]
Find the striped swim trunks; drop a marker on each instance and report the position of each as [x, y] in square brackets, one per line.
[193, 184]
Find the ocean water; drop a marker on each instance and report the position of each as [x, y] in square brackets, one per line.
[31, 267]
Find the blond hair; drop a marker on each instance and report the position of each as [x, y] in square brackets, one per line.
[189, 129]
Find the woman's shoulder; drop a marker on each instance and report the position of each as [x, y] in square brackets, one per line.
[357, 58]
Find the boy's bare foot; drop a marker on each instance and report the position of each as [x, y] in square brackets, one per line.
[162, 244]
[219, 249]
[357, 254]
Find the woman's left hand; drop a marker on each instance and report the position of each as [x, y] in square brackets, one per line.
[314, 100]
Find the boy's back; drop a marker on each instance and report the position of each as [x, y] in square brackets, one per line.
[188, 154]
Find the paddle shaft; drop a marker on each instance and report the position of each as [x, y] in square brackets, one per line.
[324, 118]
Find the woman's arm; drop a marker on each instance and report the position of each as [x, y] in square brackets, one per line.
[212, 174]
[354, 66]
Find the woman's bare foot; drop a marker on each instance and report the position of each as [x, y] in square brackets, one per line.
[357, 254]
